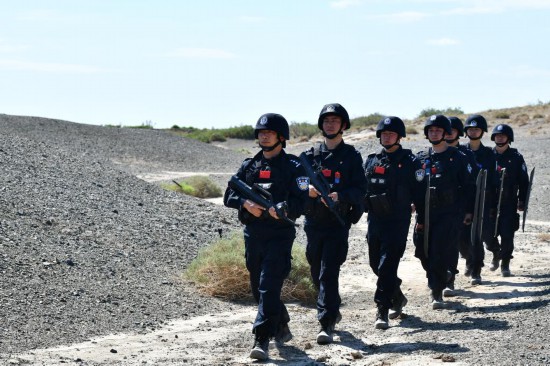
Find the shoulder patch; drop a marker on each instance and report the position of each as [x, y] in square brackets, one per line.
[303, 183]
[419, 174]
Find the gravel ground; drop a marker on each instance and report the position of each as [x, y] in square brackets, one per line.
[87, 250]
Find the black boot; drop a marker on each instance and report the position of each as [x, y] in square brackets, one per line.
[325, 335]
[505, 268]
[495, 262]
[437, 300]
[260, 349]
[283, 334]
[382, 318]
[398, 303]
[476, 276]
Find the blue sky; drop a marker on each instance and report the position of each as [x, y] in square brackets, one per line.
[223, 63]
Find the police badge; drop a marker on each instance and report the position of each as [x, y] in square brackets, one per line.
[419, 174]
[303, 183]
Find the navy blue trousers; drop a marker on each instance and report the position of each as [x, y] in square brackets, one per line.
[268, 259]
[327, 249]
[387, 241]
[508, 224]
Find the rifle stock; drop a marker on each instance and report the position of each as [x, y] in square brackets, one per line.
[255, 194]
[322, 186]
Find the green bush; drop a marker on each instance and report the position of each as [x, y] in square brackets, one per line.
[197, 186]
[366, 121]
[219, 270]
[303, 129]
[447, 112]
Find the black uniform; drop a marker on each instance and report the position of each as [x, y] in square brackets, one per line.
[516, 182]
[327, 239]
[451, 182]
[468, 252]
[486, 160]
[268, 242]
[394, 181]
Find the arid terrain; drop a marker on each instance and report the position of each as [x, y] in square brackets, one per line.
[92, 251]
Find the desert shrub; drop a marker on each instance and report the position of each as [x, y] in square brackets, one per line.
[241, 132]
[220, 271]
[175, 127]
[147, 125]
[538, 115]
[502, 115]
[544, 237]
[197, 186]
[411, 130]
[427, 112]
[301, 130]
[366, 121]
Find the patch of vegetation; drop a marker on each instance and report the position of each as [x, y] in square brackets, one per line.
[220, 271]
[211, 135]
[366, 121]
[147, 125]
[303, 130]
[197, 186]
[410, 130]
[502, 115]
[427, 112]
[538, 115]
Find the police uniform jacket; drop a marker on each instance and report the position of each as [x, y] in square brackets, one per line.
[450, 174]
[342, 168]
[516, 179]
[394, 181]
[486, 160]
[282, 177]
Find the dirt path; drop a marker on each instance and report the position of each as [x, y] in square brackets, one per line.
[421, 337]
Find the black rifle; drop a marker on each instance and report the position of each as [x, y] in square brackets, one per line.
[531, 176]
[479, 206]
[260, 196]
[321, 185]
[499, 204]
[428, 174]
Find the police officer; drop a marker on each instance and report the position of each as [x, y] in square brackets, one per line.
[463, 241]
[394, 182]
[448, 172]
[513, 196]
[475, 127]
[327, 239]
[268, 239]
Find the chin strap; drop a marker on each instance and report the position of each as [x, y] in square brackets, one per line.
[387, 147]
[453, 140]
[436, 142]
[269, 148]
[476, 138]
[330, 137]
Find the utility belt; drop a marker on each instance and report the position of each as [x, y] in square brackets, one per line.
[322, 213]
[441, 198]
[378, 204]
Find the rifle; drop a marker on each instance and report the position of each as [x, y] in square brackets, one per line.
[260, 196]
[531, 176]
[477, 222]
[502, 175]
[428, 174]
[320, 183]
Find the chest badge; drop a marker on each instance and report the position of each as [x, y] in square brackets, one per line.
[303, 183]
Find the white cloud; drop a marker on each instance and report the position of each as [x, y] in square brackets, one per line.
[403, 17]
[342, 4]
[523, 71]
[443, 42]
[251, 19]
[201, 53]
[48, 67]
[6, 47]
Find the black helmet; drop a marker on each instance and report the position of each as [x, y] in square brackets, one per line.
[274, 122]
[334, 109]
[504, 129]
[476, 120]
[456, 123]
[438, 120]
[394, 124]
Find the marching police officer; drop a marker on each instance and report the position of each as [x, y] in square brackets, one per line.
[475, 127]
[341, 165]
[463, 241]
[447, 171]
[394, 182]
[268, 239]
[513, 195]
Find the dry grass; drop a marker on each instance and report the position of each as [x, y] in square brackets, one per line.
[544, 237]
[219, 270]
